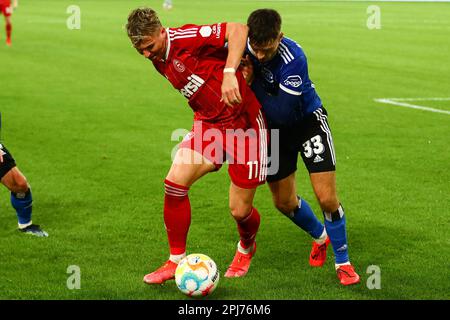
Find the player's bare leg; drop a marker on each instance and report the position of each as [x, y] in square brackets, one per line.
[21, 200]
[247, 218]
[285, 199]
[15, 181]
[187, 167]
[324, 185]
[284, 194]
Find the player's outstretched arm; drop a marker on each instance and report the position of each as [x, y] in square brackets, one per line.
[236, 36]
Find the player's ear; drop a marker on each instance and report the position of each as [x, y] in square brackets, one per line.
[281, 36]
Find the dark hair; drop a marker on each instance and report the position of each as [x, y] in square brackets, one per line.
[142, 22]
[264, 26]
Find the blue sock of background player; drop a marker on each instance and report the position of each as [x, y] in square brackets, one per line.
[22, 203]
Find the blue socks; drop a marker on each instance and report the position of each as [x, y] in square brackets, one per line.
[22, 202]
[336, 230]
[304, 217]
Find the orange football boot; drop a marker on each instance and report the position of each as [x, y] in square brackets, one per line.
[241, 263]
[318, 253]
[347, 275]
[161, 275]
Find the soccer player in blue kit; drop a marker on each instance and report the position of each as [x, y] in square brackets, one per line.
[21, 198]
[276, 68]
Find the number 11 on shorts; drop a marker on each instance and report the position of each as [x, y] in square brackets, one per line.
[252, 174]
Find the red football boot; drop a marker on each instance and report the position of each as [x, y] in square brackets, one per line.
[164, 273]
[318, 253]
[8, 42]
[347, 275]
[241, 263]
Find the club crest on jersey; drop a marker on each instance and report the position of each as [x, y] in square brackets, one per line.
[195, 82]
[268, 75]
[179, 66]
[293, 81]
[205, 31]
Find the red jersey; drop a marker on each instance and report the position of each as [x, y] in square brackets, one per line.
[5, 3]
[194, 63]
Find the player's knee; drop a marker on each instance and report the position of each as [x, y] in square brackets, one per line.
[15, 181]
[284, 206]
[20, 185]
[240, 212]
[328, 202]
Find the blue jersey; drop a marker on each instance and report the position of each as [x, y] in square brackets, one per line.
[282, 85]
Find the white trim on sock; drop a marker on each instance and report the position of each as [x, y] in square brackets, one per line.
[322, 238]
[21, 226]
[176, 258]
[241, 249]
[337, 265]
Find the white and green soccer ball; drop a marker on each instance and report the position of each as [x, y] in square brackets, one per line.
[197, 275]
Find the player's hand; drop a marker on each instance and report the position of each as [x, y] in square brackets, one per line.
[247, 69]
[230, 90]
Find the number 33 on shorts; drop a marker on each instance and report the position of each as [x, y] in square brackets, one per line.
[313, 146]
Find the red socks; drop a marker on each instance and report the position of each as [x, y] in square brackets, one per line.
[177, 216]
[8, 30]
[248, 228]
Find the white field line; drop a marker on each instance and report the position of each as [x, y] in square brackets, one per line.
[420, 99]
[397, 102]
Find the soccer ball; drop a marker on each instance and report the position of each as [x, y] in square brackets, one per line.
[197, 275]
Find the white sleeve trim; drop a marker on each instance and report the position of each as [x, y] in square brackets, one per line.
[290, 91]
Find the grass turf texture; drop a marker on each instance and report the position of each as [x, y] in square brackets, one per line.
[89, 123]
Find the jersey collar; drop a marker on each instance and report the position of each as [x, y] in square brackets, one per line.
[250, 48]
[168, 45]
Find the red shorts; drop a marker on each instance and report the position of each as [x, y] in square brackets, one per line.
[245, 149]
[6, 10]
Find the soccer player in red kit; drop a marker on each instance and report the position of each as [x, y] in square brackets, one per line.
[6, 9]
[202, 63]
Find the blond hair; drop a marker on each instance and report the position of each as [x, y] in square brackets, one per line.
[142, 22]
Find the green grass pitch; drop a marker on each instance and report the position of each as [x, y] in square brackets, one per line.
[89, 122]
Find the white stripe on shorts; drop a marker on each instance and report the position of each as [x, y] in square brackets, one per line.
[325, 128]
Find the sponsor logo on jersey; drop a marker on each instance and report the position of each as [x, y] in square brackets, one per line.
[268, 75]
[293, 81]
[179, 66]
[205, 31]
[195, 82]
[216, 29]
